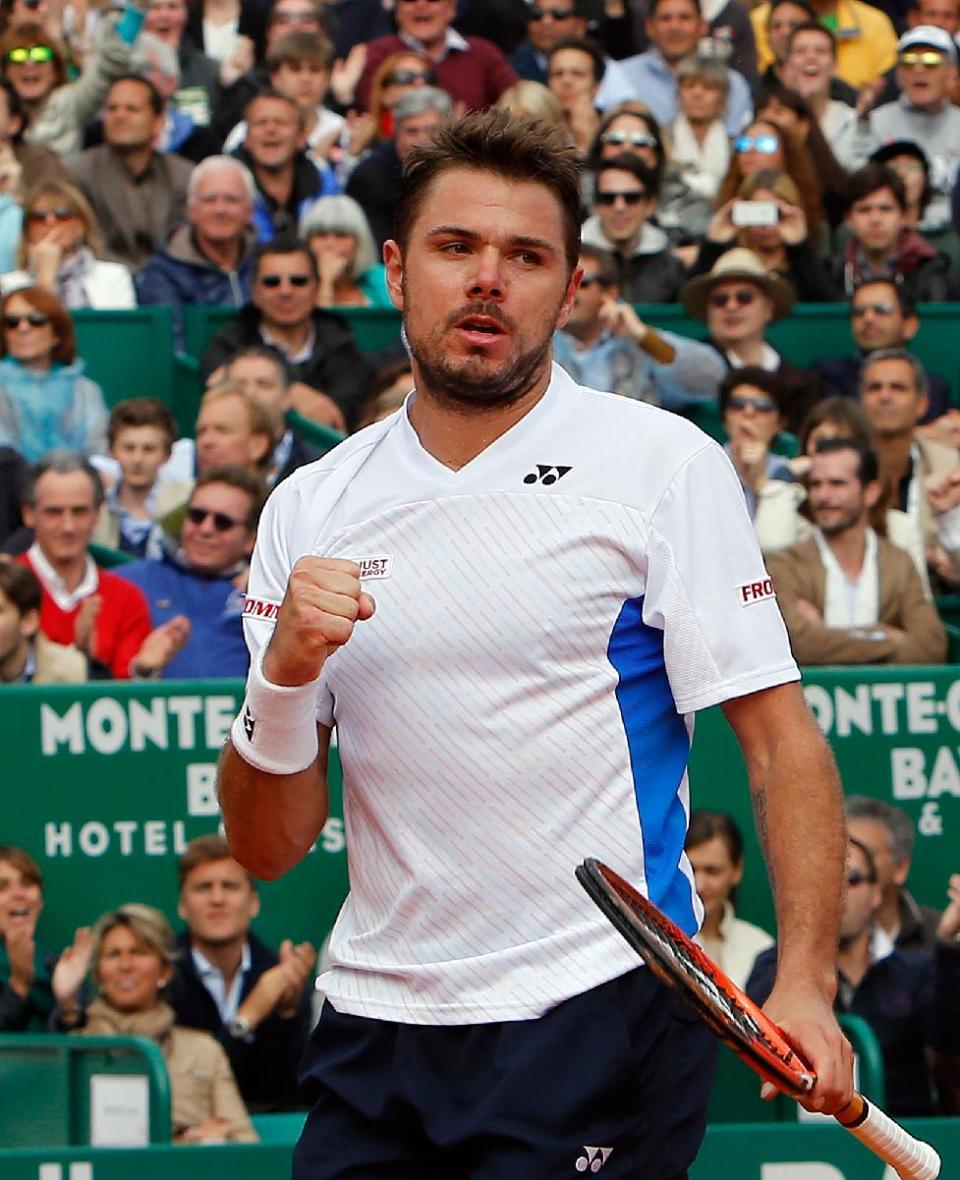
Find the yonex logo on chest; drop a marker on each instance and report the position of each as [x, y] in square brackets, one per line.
[546, 474]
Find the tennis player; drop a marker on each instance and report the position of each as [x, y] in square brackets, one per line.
[510, 598]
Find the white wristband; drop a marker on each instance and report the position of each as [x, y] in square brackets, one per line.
[276, 729]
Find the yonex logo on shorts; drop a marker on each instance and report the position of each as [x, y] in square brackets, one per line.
[260, 608]
[374, 567]
[751, 592]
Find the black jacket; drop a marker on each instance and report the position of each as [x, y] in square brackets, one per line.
[13, 468]
[375, 185]
[266, 1066]
[801, 389]
[335, 367]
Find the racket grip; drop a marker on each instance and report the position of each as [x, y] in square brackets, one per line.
[911, 1158]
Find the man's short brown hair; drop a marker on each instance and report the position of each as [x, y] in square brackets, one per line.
[205, 850]
[293, 49]
[20, 586]
[241, 479]
[514, 149]
[142, 411]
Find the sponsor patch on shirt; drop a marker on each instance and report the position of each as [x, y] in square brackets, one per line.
[260, 608]
[759, 591]
[374, 567]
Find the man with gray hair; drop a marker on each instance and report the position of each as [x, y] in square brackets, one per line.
[375, 182]
[887, 832]
[136, 192]
[208, 258]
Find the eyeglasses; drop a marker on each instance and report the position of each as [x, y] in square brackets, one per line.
[861, 309]
[631, 198]
[855, 877]
[742, 297]
[221, 522]
[22, 53]
[766, 144]
[760, 405]
[929, 59]
[276, 280]
[556, 13]
[61, 213]
[409, 78]
[633, 138]
[36, 319]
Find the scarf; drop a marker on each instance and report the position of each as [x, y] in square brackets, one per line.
[846, 603]
[39, 411]
[103, 1020]
[703, 168]
[75, 269]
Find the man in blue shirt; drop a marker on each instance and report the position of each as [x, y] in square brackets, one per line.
[200, 581]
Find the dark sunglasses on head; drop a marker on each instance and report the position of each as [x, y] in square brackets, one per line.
[556, 13]
[36, 53]
[855, 877]
[61, 213]
[765, 144]
[721, 298]
[221, 522]
[633, 138]
[276, 280]
[409, 78]
[861, 309]
[761, 405]
[36, 319]
[633, 198]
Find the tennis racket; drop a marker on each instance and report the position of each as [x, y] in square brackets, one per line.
[737, 1021]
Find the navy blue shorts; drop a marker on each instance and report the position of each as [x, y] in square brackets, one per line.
[613, 1082]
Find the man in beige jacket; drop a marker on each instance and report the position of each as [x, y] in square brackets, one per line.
[847, 595]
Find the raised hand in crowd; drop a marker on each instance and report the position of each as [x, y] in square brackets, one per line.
[300, 960]
[945, 429]
[346, 74]
[85, 627]
[71, 971]
[792, 223]
[240, 61]
[279, 988]
[160, 646]
[721, 228]
[943, 489]
[949, 926]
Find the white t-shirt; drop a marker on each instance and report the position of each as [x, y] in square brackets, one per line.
[547, 619]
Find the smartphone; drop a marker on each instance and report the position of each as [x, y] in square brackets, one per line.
[744, 213]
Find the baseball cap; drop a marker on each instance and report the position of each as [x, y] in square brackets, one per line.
[931, 37]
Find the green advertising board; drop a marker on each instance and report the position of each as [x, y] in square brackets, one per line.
[106, 783]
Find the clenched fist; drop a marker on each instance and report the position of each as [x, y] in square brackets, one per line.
[322, 605]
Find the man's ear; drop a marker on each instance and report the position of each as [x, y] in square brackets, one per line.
[29, 623]
[393, 261]
[911, 326]
[872, 493]
[569, 296]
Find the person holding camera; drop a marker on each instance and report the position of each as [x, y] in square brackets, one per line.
[766, 217]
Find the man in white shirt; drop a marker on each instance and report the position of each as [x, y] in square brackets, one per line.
[519, 695]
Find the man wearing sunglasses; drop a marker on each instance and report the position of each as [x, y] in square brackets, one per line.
[552, 21]
[472, 70]
[909, 998]
[197, 579]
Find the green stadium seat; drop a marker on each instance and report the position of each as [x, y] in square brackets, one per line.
[283, 1127]
[128, 353]
[106, 558]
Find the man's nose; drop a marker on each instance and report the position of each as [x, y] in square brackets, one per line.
[488, 276]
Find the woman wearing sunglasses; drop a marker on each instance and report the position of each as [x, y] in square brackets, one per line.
[396, 76]
[46, 402]
[59, 251]
[34, 63]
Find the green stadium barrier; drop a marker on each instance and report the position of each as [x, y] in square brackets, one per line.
[815, 1151]
[323, 437]
[284, 1127]
[51, 1086]
[128, 353]
[107, 558]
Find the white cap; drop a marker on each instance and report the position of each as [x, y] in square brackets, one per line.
[931, 37]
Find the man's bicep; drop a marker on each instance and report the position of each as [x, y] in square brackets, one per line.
[760, 719]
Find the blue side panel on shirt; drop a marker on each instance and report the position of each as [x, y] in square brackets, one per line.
[659, 749]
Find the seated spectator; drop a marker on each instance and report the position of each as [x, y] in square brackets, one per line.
[473, 71]
[228, 983]
[883, 315]
[547, 23]
[701, 147]
[395, 76]
[714, 847]
[738, 298]
[533, 100]
[574, 72]
[94, 610]
[140, 435]
[136, 192]
[625, 200]
[207, 260]
[131, 958]
[909, 998]
[198, 581]
[781, 17]
[920, 475]
[198, 93]
[766, 217]
[299, 67]
[605, 345]
[26, 967]
[46, 402]
[847, 596]
[60, 252]
[675, 29]
[26, 655]
[35, 65]
[317, 344]
[887, 832]
[339, 238]
[294, 16]
[375, 182]
[866, 41]
[287, 180]
[751, 408]
[924, 113]
[234, 429]
[882, 244]
[929, 218]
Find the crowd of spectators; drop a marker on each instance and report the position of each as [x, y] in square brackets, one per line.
[246, 154]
